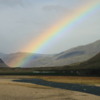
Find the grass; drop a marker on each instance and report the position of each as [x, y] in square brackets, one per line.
[11, 82]
[75, 80]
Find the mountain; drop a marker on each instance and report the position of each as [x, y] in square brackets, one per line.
[93, 63]
[12, 58]
[74, 55]
[77, 54]
[2, 64]
[2, 55]
[71, 56]
[90, 67]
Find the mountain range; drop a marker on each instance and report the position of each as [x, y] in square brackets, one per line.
[2, 64]
[93, 63]
[90, 67]
[71, 56]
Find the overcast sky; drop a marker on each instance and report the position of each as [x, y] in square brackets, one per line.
[24, 20]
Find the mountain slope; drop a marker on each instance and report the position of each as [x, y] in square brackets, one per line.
[93, 63]
[77, 54]
[2, 64]
[74, 55]
[90, 67]
[13, 58]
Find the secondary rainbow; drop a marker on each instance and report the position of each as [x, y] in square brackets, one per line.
[66, 23]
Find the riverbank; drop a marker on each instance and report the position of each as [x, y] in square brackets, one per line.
[11, 90]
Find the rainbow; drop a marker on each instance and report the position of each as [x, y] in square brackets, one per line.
[67, 23]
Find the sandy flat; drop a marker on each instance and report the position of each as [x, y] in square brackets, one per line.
[10, 90]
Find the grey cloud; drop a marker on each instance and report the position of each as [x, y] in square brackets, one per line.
[11, 2]
[56, 8]
[15, 3]
[24, 20]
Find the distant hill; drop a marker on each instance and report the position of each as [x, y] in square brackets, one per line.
[74, 55]
[93, 63]
[77, 54]
[2, 64]
[90, 67]
[71, 56]
[14, 57]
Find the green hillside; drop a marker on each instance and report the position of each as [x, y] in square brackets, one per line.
[87, 68]
[93, 63]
